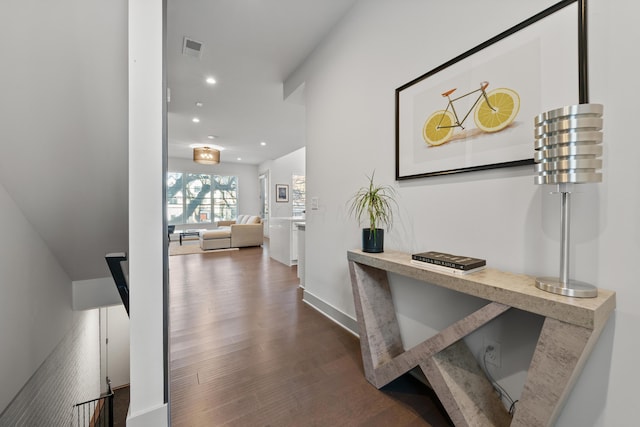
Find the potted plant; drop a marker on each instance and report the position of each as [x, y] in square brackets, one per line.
[374, 202]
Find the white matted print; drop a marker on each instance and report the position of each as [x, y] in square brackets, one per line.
[442, 125]
[282, 193]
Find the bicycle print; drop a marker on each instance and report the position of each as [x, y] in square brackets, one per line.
[492, 112]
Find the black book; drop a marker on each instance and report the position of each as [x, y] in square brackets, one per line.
[447, 260]
[442, 268]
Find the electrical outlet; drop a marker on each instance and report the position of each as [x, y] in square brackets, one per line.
[492, 353]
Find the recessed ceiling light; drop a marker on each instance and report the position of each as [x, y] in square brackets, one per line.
[199, 104]
[195, 120]
[239, 158]
[211, 80]
[211, 136]
[263, 143]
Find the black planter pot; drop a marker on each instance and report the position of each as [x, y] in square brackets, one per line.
[372, 240]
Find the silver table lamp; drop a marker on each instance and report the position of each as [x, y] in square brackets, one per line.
[567, 152]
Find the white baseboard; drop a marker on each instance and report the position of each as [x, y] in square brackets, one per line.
[157, 417]
[340, 318]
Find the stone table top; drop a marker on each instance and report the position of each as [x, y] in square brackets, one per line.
[515, 290]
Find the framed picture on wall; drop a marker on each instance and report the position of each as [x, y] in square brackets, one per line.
[282, 193]
[475, 111]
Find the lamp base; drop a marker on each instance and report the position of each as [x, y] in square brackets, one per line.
[571, 289]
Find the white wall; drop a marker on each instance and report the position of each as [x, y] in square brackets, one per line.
[282, 170]
[63, 156]
[69, 375]
[147, 232]
[498, 215]
[63, 200]
[35, 307]
[248, 184]
[94, 293]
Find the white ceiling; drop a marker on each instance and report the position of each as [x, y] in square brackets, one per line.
[64, 138]
[250, 47]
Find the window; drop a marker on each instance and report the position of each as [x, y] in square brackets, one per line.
[175, 198]
[225, 197]
[195, 198]
[298, 195]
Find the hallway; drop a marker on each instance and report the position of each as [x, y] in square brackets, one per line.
[246, 351]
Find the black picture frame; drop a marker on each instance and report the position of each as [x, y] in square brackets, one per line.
[413, 160]
[282, 193]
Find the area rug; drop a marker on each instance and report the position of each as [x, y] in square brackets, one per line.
[193, 248]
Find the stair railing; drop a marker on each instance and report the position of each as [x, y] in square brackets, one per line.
[114, 261]
[95, 412]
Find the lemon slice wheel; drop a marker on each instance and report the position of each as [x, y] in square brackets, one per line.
[506, 105]
[438, 128]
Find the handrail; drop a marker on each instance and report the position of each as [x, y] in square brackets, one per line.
[93, 413]
[94, 400]
[114, 261]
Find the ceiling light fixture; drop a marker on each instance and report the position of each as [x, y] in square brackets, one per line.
[211, 136]
[195, 120]
[206, 155]
[199, 104]
[211, 80]
[215, 147]
[263, 143]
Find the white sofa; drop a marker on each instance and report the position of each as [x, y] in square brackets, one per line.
[246, 230]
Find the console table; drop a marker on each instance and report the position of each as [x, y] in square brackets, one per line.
[570, 330]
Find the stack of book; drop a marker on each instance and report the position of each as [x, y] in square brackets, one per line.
[441, 262]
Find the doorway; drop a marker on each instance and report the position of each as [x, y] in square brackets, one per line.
[264, 179]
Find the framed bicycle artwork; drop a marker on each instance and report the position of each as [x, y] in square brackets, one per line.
[475, 111]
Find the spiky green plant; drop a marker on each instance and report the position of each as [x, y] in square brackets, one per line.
[373, 201]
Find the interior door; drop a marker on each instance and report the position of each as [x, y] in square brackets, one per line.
[114, 346]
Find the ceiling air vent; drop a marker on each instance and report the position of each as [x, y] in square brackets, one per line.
[191, 47]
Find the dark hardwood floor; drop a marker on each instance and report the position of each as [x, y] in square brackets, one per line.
[120, 406]
[246, 351]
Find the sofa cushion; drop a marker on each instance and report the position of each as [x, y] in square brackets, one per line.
[218, 233]
[254, 219]
[215, 243]
[242, 219]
